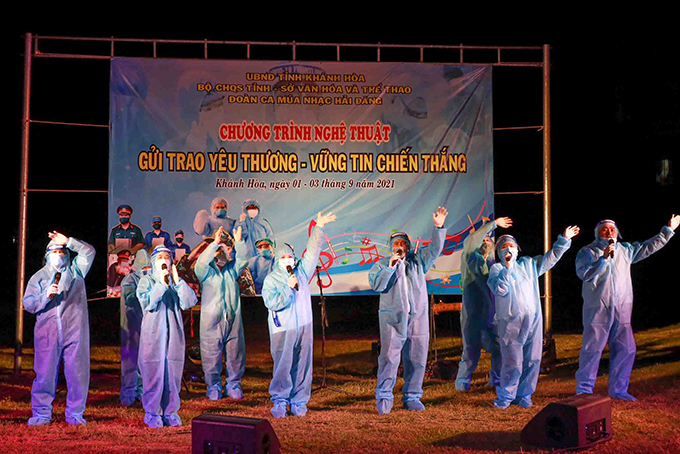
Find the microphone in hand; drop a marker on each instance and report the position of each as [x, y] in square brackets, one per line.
[290, 272]
[164, 267]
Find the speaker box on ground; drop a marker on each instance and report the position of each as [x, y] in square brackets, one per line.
[576, 422]
[219, 434]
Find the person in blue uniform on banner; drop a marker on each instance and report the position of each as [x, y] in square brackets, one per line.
[514, 283]
[287, 295]
[221, 320]
[157, 236]
[205, 224]
[130, 328]
[255, 227]
[604, 268]
[179, 247]
[57, 295]
[403, 316]
[263, 263]
[162, 295]
[477, 318]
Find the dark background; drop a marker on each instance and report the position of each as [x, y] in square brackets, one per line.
[615, 116]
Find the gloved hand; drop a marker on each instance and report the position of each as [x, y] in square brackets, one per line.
[571, 231]
[322, 220]
[439, 217]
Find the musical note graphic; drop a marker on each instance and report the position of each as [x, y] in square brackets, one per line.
[472, 225]
[326, 262]
[372, 254]
[325, 259]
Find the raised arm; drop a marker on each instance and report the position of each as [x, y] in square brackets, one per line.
[546, 261]
[429, 254]
[86, 252]
[311, 258]
[202, 266]
[242, 255]
[643, 250]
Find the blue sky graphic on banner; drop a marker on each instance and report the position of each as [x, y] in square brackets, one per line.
[379, 144]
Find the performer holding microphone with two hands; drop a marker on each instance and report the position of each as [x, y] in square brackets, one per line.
[162, 294]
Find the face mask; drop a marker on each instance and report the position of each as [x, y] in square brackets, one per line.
[512, 251]
[179, 239]
[57, 260]
[124, 219]
[156, 226]
[221, 213]
[284, 263]
[266, 253]
[253, 213]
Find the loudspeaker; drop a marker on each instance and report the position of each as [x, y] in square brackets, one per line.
[218, 434]
[577, 422]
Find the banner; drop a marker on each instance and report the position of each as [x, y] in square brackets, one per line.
[381, 145]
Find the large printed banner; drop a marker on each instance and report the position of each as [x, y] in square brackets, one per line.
[382, 145]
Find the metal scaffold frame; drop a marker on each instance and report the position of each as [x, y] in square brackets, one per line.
[150, 48]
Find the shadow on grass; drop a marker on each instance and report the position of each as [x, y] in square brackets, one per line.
[341, 401]
[485, 441]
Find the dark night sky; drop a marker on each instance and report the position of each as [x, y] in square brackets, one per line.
[615, 116]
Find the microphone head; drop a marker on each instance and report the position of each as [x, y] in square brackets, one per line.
[611, 241]
[289, 269]
[57, 277]
[164, 266]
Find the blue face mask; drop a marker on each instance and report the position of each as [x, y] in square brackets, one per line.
[266, 253]
[221, 213]
[124, 219]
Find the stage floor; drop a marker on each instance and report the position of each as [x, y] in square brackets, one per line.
[339, 423]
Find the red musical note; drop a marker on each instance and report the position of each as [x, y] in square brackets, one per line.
[326, 262]
[372, 254]
[325, 259]
[449, 239]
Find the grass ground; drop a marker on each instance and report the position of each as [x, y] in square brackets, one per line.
[337, 423]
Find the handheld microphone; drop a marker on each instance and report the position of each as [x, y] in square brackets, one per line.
[611, 241]
[167, 276]
[290, 272]
[57, 278]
